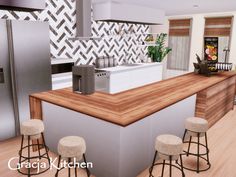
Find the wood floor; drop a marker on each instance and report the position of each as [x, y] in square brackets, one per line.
[9, 149]
[221, 139]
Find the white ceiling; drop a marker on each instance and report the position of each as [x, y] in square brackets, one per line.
[180, 7]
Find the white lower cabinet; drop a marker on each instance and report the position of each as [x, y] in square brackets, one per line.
[62, 80]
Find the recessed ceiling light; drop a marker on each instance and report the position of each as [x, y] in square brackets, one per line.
[195, 6]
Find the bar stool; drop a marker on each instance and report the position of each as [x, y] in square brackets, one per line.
[197, 127]
[71, 147]
[32, 130]
[168, 147]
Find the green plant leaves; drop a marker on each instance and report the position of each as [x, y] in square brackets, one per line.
[159, 51]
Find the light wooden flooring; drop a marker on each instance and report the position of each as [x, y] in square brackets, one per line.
[221, 139]
[222, 144]
[9, 149]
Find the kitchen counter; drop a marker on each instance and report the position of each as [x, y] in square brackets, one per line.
[55, 61]
[121, 128]
[133, 105]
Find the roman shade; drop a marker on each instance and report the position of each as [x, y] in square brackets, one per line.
[218, 26]
[179, 42]
[179, 27]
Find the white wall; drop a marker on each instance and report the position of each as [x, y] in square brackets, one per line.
[196, 44]
[197, 33]
[162, 29]
[232, 54]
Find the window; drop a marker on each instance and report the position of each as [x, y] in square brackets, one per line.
[219, 27]
[179, 41]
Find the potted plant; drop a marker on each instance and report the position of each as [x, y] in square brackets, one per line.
[158, 51]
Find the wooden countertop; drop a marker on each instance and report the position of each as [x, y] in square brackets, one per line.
[130, 106]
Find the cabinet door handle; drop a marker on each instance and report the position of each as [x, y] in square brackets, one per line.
[1, 76]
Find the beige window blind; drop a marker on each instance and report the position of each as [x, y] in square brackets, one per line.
[218, 26]
[179, 41]
[180, 27]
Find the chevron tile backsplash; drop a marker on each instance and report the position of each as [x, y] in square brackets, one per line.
[61, 15]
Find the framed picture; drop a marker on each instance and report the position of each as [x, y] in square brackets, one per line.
[211, 49]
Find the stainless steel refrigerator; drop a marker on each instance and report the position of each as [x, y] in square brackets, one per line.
[24, 69]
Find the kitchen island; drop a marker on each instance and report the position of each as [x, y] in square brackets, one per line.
[120, 129]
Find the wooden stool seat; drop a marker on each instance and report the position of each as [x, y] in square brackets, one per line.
[196, 125]
[168, 148]
[69, 148]
[196, 128]
[72, 147]
[169, 145]
[32, 128]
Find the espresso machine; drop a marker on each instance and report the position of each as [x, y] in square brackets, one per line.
[83, 79]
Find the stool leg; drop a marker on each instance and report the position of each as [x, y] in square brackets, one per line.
[163, 167]
[170, 166]
[189, 144]
[58, 166]
[44, 144]
[87, 170]
[198, 151]
[21, 148]
[208, 161]
[68, 167]
[29, 155]
[153, 163]
[184, 135]
[75, 168]
[38, 148]
[181, 164]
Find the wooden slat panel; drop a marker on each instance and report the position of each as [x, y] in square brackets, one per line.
[179, 27]
[222, 95]
[220, 109]
[35, 108]
[215, 89]
[214, 102]
[179, 32]
[218, 21]
[180, 22]
[35, 113]
[217, 31]
[212, 119]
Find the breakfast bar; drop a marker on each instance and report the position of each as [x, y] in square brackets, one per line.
[120, 129]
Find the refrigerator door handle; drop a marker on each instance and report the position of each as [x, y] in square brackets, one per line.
[13, 77]
[2, 80]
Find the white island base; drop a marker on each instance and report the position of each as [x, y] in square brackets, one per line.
[116, 151]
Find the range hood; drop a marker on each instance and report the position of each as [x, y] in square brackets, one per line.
[83, 21]
[127, 13]
[22, 5]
